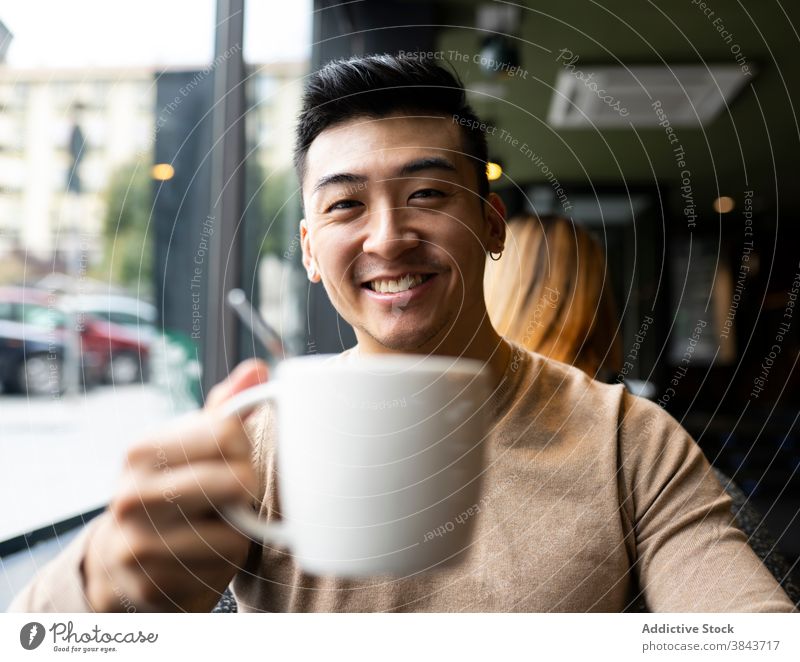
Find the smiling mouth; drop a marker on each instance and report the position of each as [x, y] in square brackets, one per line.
[401, 284]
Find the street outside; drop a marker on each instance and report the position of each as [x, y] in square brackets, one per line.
[62, 457]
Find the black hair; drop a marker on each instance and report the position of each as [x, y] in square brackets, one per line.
[380, 85]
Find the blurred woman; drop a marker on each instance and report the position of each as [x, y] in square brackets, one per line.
[550, 292]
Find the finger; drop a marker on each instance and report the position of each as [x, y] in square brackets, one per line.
[185, 490]
[196, 437]
[248, 373]
[196, 544]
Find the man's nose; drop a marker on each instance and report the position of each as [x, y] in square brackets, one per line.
[390, 234]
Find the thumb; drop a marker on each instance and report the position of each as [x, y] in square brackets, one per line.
[251, 372]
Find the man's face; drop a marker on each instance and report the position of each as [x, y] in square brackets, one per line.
[397, 232]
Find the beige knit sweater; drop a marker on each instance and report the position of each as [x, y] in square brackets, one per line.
[593, 497]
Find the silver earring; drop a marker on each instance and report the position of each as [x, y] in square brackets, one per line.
[499, 255]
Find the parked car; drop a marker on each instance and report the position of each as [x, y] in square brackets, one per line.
[36, 331]
[138, 316]
[125, 314]
[125, 356]
[30, 359]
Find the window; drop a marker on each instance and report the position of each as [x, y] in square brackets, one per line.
[273, 275]
[86, 360]
[112, 252]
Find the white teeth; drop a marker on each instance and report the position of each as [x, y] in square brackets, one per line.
[407, 282]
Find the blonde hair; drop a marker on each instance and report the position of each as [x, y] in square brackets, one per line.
[550, 293]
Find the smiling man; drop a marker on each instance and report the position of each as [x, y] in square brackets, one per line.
[398, 213]
[592, 498]
[402, 257]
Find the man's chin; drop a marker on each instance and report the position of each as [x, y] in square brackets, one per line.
[411, 340]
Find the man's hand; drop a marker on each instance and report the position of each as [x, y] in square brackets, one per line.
[163, 544]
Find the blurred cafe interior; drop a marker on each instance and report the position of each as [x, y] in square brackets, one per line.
[141, 179]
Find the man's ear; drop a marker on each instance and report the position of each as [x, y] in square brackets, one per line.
[309, 262]
[495, 216]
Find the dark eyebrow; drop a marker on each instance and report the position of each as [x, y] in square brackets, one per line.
[338, 178]
[418, 165]
[427, 163]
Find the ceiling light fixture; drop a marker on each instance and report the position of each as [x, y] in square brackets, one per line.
[724, 204]
[498, 56]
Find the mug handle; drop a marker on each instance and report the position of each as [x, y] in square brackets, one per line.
[249, 399]
[243, 517]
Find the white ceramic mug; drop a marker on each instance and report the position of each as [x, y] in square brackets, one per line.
[377, 458]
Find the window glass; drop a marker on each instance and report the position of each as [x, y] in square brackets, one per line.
[273, 276]
[87, 364]
[104, 194]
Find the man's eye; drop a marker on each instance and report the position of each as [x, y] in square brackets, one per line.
[427, 193]
[343, 204]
